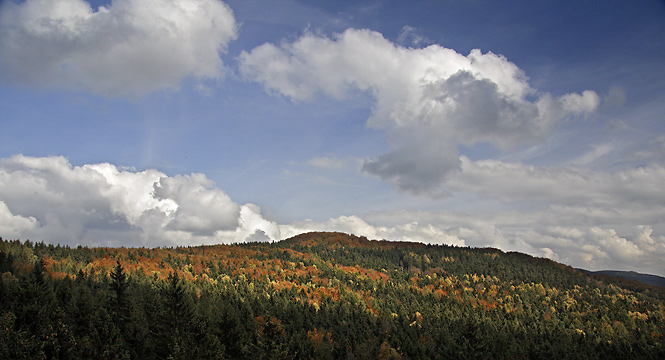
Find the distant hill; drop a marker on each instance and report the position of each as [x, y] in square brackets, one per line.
[317, 296]
[632, 280]
[654, 280]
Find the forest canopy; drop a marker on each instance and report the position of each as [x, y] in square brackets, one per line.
[315, 296]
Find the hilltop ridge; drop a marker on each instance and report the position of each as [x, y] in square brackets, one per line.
[341, 239]
[326, 238]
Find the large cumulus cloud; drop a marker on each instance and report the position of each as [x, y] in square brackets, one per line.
[129, 48]
[427, 100]
[100, 204]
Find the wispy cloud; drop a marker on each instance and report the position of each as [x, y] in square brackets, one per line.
[596, 152]
[328, 162]
[411, 36]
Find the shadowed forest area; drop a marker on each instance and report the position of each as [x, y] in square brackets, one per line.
[316, 296]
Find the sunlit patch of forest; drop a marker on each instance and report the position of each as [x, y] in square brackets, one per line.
[315, 296]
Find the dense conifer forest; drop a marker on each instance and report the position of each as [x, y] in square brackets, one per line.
[315, 296]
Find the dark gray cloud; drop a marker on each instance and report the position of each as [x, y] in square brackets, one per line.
[419, 166]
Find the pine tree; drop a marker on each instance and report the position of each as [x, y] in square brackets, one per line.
[174, 336]
[119, 301]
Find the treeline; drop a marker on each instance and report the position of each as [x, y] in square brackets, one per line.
[315, 296]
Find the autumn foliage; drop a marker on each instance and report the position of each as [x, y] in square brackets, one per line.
[315, 296]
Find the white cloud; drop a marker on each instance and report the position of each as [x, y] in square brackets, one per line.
[11, 225]
[49, 199]
[550, 254]
[129, 48]
[252, 226]
[598, 248]
[428, 100]
[518, 182]
[202, 209]
[580, 104]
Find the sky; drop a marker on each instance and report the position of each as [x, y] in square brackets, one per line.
[531, 126]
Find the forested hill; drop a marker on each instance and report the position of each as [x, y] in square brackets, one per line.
[629, 277]
[315, 296]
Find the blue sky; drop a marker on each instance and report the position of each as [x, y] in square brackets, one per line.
[531, 126]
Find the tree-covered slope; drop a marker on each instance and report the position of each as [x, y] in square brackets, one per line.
[314, 296]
